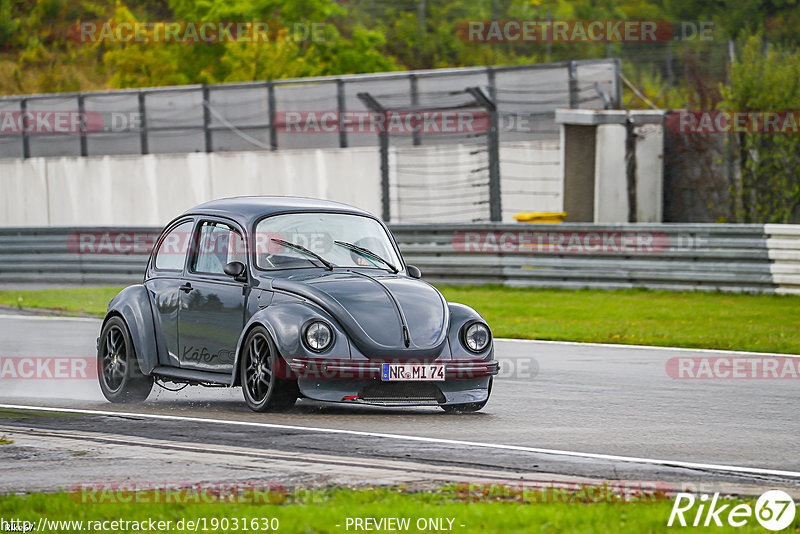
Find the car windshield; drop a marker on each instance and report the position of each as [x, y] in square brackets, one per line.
[319, 233]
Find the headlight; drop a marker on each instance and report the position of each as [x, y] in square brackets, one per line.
[318, 336]
[477, 337]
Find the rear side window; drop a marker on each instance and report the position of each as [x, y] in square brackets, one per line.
[171, 253]
[217, 245]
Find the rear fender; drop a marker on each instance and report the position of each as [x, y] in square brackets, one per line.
[133, 305]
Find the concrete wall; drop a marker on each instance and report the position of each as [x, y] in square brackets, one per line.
[531, 178]
[152, 189]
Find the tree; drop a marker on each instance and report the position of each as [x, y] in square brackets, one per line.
[767, 79]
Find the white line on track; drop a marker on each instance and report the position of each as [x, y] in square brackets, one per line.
[503, 339]
[593, 456]
[721, 352]
[48, 317]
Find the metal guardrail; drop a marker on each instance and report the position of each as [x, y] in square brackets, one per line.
[738, 258]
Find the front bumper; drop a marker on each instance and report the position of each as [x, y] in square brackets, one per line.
[336, 369]
[359, 382]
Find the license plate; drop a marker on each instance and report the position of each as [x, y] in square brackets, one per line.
[412, 371]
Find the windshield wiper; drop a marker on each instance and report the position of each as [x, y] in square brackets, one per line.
[367, 253]
[304, 250]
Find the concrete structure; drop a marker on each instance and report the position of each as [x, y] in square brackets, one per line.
[613, 165]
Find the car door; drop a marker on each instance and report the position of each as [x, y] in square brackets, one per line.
[163, 278]
[211, 302]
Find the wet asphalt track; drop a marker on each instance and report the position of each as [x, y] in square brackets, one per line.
[610, 400]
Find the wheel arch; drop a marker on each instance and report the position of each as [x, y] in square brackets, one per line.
[460, 315]
[132, 305]
[249, 327]
[284, 324]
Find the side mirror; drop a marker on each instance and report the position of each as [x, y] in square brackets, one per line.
[235, 269]
[413, 271]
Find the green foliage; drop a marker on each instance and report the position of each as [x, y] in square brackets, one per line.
[307, 42]
[358, 36]
[8, 24]
[473, 508]
[767, 79]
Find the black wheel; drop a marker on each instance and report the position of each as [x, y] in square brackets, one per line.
[469, 407]
[260, 369]
[118, 372]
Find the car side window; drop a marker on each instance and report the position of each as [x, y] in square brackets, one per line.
[218, 244]
[171, 253]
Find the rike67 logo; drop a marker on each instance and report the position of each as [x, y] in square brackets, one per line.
[774, 510]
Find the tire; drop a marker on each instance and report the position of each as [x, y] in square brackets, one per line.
[469, 407]
[259, 370]
[121, 380]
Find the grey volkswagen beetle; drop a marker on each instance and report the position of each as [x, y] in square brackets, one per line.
[289, 298]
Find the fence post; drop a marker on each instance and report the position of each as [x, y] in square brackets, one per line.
[82, 115]
[273, 133]
[412, 79]
[143, 148]
[490, 76]
[383, 139]
[618, 82]
[493, 142]
[573, 84]
[26, 145]
[340, 106]
[207, 118]
[630, 168]
[385, 200]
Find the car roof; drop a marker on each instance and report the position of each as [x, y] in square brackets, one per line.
[246, 210]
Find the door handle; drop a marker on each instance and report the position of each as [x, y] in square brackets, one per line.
[186, 287]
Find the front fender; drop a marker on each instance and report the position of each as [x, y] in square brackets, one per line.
[133, 305]
[460, 315]
[284, 322]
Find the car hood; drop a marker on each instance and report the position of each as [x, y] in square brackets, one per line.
[386, 315]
